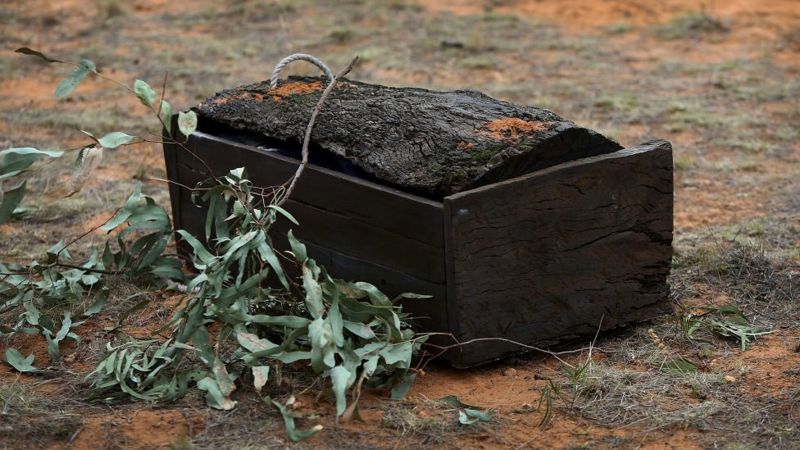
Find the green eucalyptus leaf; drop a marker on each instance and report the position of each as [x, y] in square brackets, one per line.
[166, 116]
[145, 93]
[32, 315]
[409, 295]
[281, 321]
[18, 362]
[66, 324]
[224, 380]
[10, 200]
[340, 378]
[75, 77]
[187, 122]
[398, 353]
[202, 342]
[284, 213]
[291, 357]
[53, 349]
[336, 323]
[370, 365]
[98, 304]
[472, 416]
[117, 220]
[219, 387]
[298, 249]
[253, 343]
[288, 423]
[14, 161]
[361, 330]
[400, 390]
[377, 297]
[116, 139]
[320, 337]
[214, 396]
[313, 293]
[200, 250]
[268, 254]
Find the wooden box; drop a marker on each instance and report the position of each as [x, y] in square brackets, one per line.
[544, 257]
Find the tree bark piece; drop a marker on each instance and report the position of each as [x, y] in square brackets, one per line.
[422, 141]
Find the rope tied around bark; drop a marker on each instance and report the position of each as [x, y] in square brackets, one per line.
[307, 138]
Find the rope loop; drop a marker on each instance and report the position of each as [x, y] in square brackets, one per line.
[273, 81]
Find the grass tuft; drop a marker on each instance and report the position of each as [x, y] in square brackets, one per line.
[691, 25]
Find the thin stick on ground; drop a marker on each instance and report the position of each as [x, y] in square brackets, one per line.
[444, 348]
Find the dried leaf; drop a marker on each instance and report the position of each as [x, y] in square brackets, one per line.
[89, 159]
[260, 377]
[38, 54]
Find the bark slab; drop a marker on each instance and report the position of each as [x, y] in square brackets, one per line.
[422, 141]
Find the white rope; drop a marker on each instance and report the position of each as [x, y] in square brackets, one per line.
[273, 81]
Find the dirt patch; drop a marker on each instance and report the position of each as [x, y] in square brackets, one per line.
[578, 14]
[142, 429]
[510, 129]
[770, 367]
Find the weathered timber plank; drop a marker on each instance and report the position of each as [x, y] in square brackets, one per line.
[432, 143]
[362, 240]
[383, 207]
[549, 255]
[429, 314]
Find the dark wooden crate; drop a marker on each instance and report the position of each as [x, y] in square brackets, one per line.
[538, 259]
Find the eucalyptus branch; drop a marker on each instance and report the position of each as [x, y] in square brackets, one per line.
[310, 127]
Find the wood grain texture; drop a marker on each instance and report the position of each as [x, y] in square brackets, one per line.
[547, 256]
[426, 142]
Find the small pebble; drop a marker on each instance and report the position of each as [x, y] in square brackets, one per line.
[510, 372]
[730, 379]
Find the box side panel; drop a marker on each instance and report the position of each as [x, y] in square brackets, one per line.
[356, 218]
[560, 252]
[359, 230]
[404, 214]
[427, 314]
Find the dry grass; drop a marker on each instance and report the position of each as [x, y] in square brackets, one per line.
[28, 415]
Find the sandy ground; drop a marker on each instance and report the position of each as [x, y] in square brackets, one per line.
[719, 79]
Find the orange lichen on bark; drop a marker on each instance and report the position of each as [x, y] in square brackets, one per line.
[466, 146]
[293, 88]
[510, 128]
